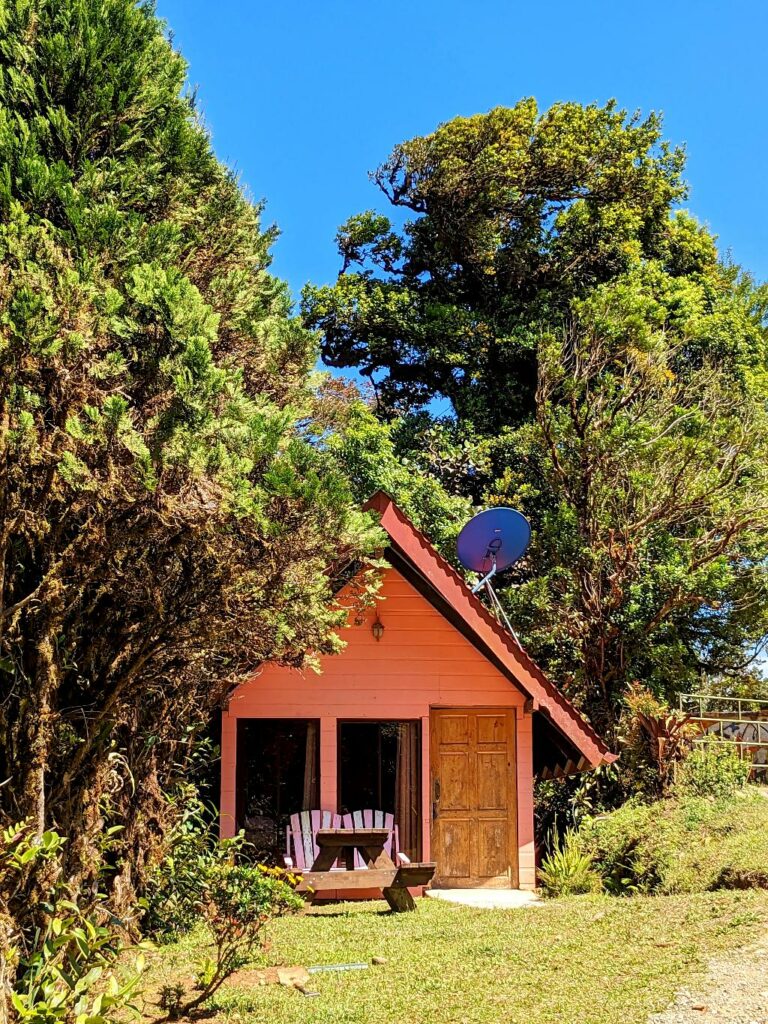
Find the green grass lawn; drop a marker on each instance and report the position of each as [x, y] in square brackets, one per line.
[587, 960]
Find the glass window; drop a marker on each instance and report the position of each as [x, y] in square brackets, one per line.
[380, 769]
[278, 767]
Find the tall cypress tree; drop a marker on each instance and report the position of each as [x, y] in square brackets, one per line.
[165, 525]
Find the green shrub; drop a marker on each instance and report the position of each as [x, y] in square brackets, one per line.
[171, 900]
[203, 879]
[567, 870]
[562, 804]
[624, 848]
[654, 740]
[235, 901]
[712, 769]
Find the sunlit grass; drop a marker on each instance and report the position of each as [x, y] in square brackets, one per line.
[587, 960]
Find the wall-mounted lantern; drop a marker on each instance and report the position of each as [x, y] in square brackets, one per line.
[377, 628]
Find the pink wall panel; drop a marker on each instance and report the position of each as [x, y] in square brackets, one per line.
[525, 835]
[228, 774]
[328, 763]
[422, 661]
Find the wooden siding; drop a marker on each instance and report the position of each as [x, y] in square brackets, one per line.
[421, 662]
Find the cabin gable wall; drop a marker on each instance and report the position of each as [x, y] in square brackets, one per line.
[421, 662]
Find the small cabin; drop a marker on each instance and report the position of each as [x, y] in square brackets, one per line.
[432, 712]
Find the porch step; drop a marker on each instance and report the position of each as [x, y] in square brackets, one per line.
[491, 899]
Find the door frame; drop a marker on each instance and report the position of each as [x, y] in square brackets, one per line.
[420, 778]
[513, 870]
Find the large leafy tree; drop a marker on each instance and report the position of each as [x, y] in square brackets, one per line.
[372, 456]
[511, 214]
[606, 372]
[645, 473]
[166, 520]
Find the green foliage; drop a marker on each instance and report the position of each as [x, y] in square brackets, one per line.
[712, 769]
[204, 879]
[72, 973]
[248, 895]
[749, 684]
[367, 452]
[168, 521]
[688, 844]
[235, 902]
[625, 848]
[567, 870]
[605, 371]
[171, 999]
[513, 212]
[654, 742]
[561, 805]
[172, 896]
[644, 472]
[67, 968]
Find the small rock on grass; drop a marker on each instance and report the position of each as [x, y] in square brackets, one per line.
[292, 976]
[378, 960]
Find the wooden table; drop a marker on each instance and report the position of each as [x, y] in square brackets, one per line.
[340, 844]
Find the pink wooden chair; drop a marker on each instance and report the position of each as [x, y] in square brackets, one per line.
[301, 845]
[376, 819]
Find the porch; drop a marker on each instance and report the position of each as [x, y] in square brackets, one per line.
[450, 777]
[300, 764]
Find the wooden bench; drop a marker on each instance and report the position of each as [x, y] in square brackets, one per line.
[380, 872]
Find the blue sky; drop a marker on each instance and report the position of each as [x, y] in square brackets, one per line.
[303, 99]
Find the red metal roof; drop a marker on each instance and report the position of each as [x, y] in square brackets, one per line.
[488, 634]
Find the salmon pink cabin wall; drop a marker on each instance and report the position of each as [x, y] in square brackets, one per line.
[422, 661]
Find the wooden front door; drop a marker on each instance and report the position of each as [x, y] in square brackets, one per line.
[473, 790]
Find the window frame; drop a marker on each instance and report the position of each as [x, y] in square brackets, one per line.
[379, 720]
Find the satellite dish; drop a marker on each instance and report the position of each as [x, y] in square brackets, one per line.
[491, 542]
[496, 538]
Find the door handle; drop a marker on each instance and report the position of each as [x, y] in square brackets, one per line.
[435, 799]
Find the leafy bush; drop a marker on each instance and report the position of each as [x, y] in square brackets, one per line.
[171, 901]
[567, 870]
[235, 901]
[713, 769]
[205, 879]
[655, 739]
[64, 968]
[69, 974]
[562, 804]
[622, 848]
[686, 844]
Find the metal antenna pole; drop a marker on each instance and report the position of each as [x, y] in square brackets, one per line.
[499, 609]
[484, 581]
[496, 605]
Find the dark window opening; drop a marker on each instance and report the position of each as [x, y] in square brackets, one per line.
[380, 769]
[278, 767]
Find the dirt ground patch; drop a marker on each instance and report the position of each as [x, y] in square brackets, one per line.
[735, 992]
[292, 977]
